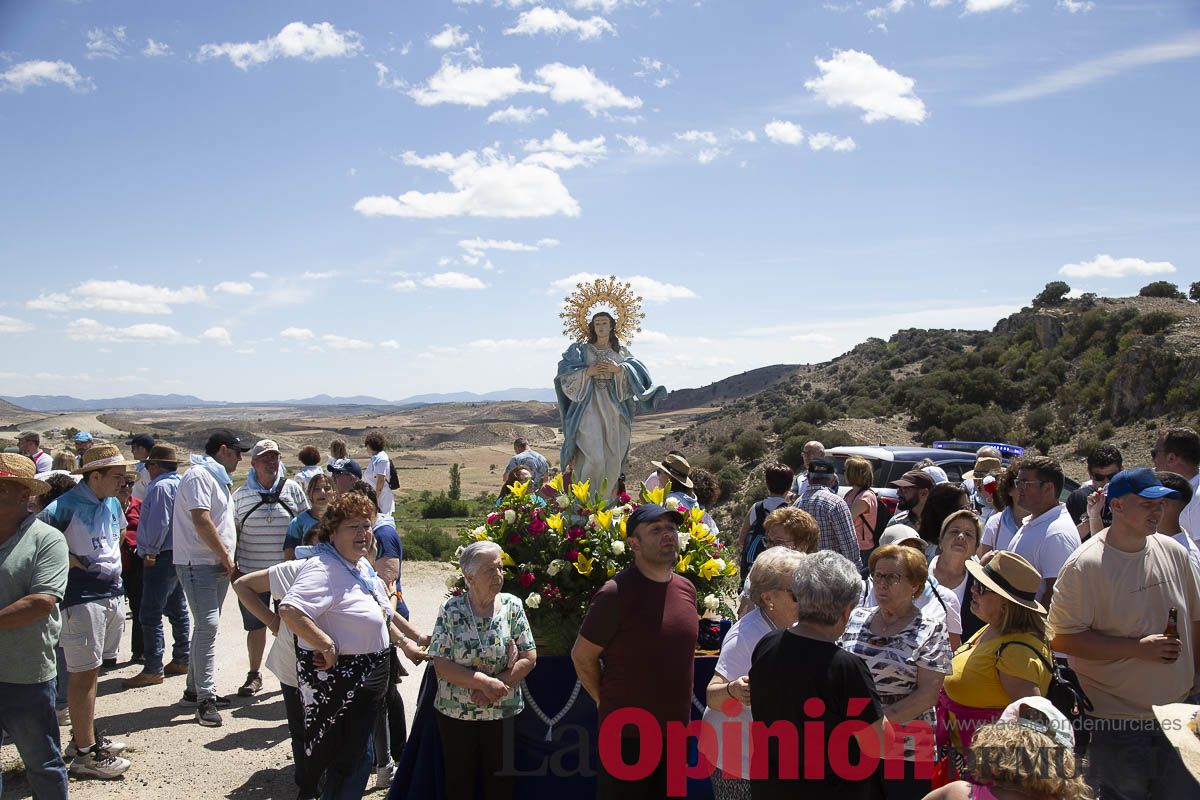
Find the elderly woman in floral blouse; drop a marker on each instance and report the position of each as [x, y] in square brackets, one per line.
[481, 648]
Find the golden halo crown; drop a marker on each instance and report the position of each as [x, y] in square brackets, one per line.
[605, 293]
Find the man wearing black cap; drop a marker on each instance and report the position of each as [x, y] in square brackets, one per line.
[644, 624]
[912, 490]
[140, 445]
[204, 534]
[820, 499]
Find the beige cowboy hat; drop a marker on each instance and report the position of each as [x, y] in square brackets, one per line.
[983, 467]
[19, 469]
[678, 468]
[1011, 577]
[103, 456]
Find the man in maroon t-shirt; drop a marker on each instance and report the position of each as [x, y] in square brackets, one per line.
[644, 624]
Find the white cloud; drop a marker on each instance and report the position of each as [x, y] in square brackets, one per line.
[558, 151]
[217, 335]
[319, 276]
[259, 275]
[823, 141]
[1105, 266]
[542, 343]
[485, 185]
[1077, 6]
[639, 146]
[390, 344]
[405, 286]
[294, 40]
[854, 78]
[384, 79]
[14, 325]
[580, 85]
[606, 6]
[708, 137]
[554, 20]
[85, 330]
[471, 86]
[710, 154]
[120, 296]
[744, 136]
[516, 116]
[154, 49]
[234, 287]
[453, 280]
[449, 37]
[498, 244]
[651, 69]
[783, 132]
[651, 290]
[335, 342]
[984, 6]
[20, 77]
[102, 43]
[297, 334]
[1181, 47]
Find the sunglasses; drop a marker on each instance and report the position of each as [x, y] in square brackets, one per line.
[1101, 477]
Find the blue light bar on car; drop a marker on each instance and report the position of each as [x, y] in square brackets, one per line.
[1005, 450]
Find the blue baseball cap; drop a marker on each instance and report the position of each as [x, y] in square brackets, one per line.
[346, 466]
[83, 436]
[1142, 482]
[649, 513]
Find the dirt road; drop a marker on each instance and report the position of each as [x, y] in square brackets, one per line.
[249, 758]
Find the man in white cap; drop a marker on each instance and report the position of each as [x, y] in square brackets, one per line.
[33, 579]
[90, 518]
[264, 506]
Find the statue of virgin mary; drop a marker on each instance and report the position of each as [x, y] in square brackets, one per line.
[600, 385]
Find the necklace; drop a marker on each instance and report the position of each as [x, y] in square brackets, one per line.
[886, 627]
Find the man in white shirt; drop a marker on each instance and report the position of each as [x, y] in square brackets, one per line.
[204, 533]
[141, 445]
[1048, 535]
[30, 444]
[1178, 450]
[379, 469]
[813, 449]
[1173, 506]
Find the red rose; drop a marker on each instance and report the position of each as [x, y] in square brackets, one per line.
[572, 554]
[514, 539]
[538, 526]
[526, 579]
[624, 498]
[575, 533]
[493, 518]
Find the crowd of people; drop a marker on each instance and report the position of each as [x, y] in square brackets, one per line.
[939, 638]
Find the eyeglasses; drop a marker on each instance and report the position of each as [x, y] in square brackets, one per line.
[979, 588]
[128, 484]
[1101, 477]
[886, 578]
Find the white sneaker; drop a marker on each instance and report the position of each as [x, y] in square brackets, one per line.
[64, 716]
[97, 763]
[102, 742]
[384, 775]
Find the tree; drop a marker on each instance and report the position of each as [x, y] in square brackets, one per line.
[1194, 291]
[750, 445]
[1162, 289]
[455, 492]
[1052, 296]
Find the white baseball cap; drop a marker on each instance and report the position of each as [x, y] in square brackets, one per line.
[1045, 719]
[264, 446]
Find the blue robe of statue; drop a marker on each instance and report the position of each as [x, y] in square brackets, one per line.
[597, 413]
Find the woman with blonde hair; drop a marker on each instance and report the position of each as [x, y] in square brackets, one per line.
[863, 502]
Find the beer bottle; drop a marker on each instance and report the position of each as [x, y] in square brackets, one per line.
[1172, 624]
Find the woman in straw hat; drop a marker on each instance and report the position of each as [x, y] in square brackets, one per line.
[1007, 659]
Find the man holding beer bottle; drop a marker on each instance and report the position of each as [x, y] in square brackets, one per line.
[1111, 614]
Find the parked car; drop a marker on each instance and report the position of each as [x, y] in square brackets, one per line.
[891, 461]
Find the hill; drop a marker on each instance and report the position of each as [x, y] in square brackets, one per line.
[731, 388]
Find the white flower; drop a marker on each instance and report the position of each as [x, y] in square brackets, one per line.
[721, 564]
[534, 600]
[479, 532]
[684, 538]
[710, 602]
[452, 582]
[458, 552]
[510, 516]
[563, 501]
[555, 566]
[617, 547]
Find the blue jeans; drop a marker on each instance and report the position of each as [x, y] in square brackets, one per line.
[163, 594]
[60, 684]
[1132, 760]
[205, 586]
[27, 713]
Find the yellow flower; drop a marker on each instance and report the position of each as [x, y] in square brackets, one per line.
[555, 521]
[684, 564]
[710, 569]
[603, 519]
[701, 533]
[654, 495]
[580, 490]
[506, 559]
[583, 564]
[520, 490]
[480, 535]
[556, 483]
[697, 515]
[612, 570]
[624, 524]
[731, 568]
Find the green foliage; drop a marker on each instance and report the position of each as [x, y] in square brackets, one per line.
[442, 506]
[730, 480]
[1105, 431]
[1052, 296]
[792, 452]
[1162, 289]
[814, 412]
[455, 491]
[426, 543]
[1039, 419]
[69, 434]
[1156, 322]
[750, 445]
[981, 428]
[933, 434]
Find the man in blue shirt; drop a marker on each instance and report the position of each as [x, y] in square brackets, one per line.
[527, 457]
[90, 518]
[161, 591]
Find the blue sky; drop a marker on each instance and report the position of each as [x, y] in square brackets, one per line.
[269, 200]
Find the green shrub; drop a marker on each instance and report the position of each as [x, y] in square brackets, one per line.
[1052, 296]
[1085, 446]
[441, 506]
[1155, 322]
[750, 445]
[428, 544]
[1105, 431]
[730, 480]
[933, 434]
[981, 428]
[792, 452]
[1162, 289]
[1039, 419]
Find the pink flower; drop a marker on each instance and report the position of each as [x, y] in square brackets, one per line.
[572, 554]
[514, 539]
[681, 510]
[585, 512]
[575, 533]
[493, 518]
[624, 498]
[526, 579]
[538, 526]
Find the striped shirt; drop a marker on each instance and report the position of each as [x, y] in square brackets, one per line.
[262, 527]
[834, 521]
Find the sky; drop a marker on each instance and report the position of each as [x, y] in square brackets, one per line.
[264, 201]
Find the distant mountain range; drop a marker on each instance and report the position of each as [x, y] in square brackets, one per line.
[58, 402]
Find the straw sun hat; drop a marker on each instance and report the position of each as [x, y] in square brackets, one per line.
[1011, 577]
[102, 456]
[19, 469]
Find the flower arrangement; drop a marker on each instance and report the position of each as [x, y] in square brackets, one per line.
[559, 546]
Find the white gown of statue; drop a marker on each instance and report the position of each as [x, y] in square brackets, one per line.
[604, 432]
